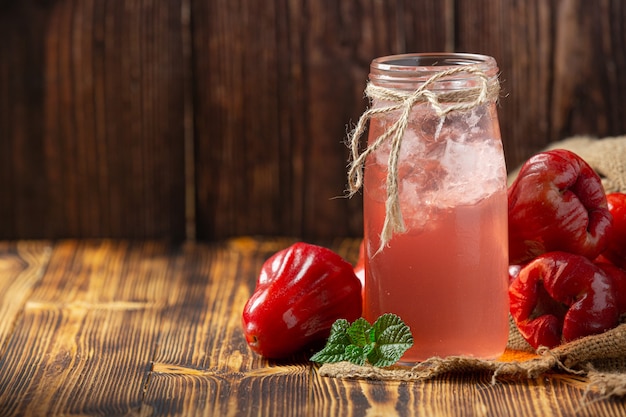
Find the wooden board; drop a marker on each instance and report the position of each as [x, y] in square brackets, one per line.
[92, 105]
[153, 329]
[22, 265]
[213, 119]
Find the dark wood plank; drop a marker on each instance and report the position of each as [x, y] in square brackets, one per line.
[589, 56]
[23, 189]
[92, 119]
[217, 119]
[277, 85]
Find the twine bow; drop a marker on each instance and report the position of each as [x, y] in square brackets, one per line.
[442, 102]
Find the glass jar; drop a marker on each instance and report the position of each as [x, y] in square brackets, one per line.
[444, 267]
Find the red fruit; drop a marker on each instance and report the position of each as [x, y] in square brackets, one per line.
[559, 297]
[618, 278]
[557, 203]
[299, 294]
[616, 244]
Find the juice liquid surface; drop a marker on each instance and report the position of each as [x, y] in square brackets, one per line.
[446, 276]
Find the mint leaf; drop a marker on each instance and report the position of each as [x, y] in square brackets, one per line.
[359, 332]
[338, 341]
[393, 338]
[339, 332]
[355, 354]
[381, 344]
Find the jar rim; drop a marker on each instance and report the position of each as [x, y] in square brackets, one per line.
[415, 66]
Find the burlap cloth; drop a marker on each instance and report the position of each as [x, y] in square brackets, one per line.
[606, 156]
[600, 359]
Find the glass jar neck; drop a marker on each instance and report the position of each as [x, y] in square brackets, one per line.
[409, 71]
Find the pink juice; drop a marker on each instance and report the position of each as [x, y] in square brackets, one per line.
[446, 276]
[447, 282]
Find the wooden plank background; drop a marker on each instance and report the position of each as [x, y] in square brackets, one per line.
[209, 119]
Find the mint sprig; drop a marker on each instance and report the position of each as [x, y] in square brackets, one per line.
[381, 344]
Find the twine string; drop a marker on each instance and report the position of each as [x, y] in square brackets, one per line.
[443, 103]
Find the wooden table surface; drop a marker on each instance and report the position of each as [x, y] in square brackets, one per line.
[152, 329]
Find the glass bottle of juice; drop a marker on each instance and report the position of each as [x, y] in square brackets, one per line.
[446, 273]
